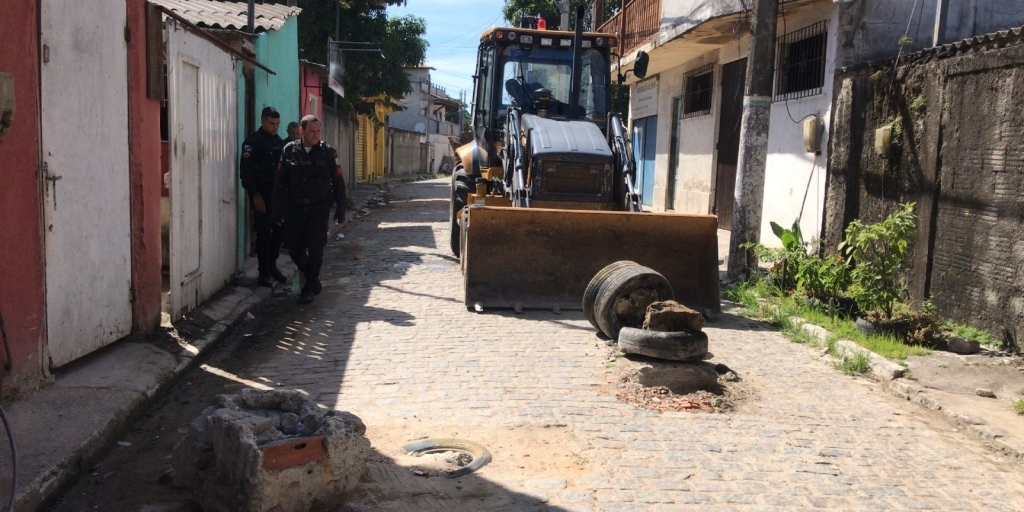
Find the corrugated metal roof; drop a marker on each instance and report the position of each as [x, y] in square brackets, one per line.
[977, 43]
[229, 15]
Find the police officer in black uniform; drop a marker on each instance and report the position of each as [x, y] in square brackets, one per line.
[261, 152]
[308, 182]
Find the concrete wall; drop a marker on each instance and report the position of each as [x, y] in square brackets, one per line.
[872, 28]
[279, 50]
[22, 300]
[340, 131]
[145, 178]
[405, 153]
[968, 257]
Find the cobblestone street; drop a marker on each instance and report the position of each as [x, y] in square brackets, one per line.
[390, 340]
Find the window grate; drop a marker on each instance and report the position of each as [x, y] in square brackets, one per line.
[801, 62]
[698, 86]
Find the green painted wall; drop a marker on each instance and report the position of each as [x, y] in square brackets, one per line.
[279, 50]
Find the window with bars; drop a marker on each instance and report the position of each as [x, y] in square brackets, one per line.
[698, 85]
[801, 62]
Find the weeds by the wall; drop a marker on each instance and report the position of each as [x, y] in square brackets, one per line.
[1018, 405]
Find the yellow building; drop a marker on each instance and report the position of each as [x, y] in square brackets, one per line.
[371, 141]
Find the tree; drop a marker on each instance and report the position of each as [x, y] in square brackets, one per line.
[548, 9]
[368, 73]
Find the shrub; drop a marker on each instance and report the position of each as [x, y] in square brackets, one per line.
[878, 253]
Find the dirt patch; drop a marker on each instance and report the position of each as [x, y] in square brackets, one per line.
[395, 480]
[728, 394]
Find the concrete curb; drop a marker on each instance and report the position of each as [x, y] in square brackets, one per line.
[114, 386]
[890, 375]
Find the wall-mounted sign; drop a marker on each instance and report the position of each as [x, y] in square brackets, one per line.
[336, 68]
[643, 99]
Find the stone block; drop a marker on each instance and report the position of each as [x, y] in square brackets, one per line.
[679, 377]
[263, 451]
[671, 316]
[960, 345]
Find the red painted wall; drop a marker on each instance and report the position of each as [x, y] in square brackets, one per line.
[22, 300]
[145, 180]
[310, 85]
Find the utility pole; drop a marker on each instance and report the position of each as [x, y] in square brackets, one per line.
[757, 107]
[941, 15]
[563, 7]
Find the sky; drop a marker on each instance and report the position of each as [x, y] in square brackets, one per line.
[453, 31]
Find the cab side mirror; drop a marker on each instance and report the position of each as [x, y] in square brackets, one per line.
[640, 66]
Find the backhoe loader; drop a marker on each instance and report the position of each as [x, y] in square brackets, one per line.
[545, 195]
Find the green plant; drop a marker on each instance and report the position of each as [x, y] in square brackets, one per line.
[919, 102]
[823, 278]
[968, 332]
[784, 260]
[1018, 405]
[855, 364]
[878, 253]
[905, 41]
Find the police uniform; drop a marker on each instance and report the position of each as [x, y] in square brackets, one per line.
[261, 152]
[307, 184]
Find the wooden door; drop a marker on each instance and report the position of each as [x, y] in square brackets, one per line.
[733, 80]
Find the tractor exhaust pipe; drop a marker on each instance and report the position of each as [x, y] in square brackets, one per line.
[577, 66]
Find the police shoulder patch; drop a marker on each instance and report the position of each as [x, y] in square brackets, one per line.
[246, 154]
[247, 148]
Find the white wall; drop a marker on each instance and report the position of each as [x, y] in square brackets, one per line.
[794, 185]
[792, 188]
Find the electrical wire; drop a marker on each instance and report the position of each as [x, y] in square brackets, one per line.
[895, 66]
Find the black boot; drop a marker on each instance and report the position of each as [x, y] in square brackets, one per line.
[276, 273]
[315, 286]
[264, 278]
[306, 296]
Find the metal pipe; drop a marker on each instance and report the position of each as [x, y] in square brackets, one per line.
[577, 66]
[250, 19]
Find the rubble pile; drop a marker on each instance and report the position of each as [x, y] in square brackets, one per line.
[270, 450]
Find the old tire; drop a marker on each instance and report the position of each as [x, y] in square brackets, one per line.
[590, 294]
[460, 193]
[673, 346]
[623, 298]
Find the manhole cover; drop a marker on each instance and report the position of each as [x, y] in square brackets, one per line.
[448, 454]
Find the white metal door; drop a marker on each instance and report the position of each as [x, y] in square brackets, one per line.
[84, 82]
[186, 193]
[204, 141]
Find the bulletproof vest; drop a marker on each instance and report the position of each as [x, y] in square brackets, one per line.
[309, 174]
[266, 155]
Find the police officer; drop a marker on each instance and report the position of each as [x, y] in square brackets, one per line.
[293, 132]
[308, 181]
[261, 153]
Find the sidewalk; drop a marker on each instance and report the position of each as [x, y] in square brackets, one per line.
[63, 429]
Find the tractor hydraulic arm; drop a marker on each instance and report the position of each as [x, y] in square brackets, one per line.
[515, 172]
[622, 148]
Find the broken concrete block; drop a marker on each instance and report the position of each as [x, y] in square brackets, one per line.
[241, 457]
[679, 377]
[671, 316]
[959, 345]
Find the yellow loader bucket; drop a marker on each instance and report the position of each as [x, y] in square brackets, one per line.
[544, 258]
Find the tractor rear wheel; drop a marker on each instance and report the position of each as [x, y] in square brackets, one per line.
[623, 299]
[590, 295]
[460, 194]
